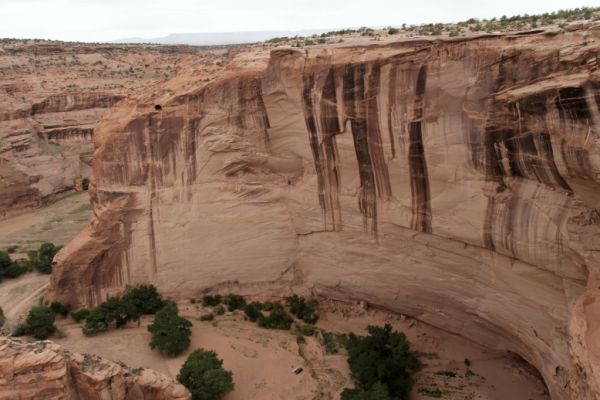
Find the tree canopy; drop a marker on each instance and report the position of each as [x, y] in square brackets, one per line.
[170, 332]
[204, 376]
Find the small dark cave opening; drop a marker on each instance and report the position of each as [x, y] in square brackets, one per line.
[158, 107]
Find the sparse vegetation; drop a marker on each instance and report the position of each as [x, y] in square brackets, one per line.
[120, 310]
[278, 318]
[211, 301]
[381, 360]
[204, 376]
[302, 309]
[170, 332]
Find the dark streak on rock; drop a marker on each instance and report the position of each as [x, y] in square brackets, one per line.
[419, 177]
[354, 106]
[382, 177]
[253, 113]
[324, 150]
[392, 106]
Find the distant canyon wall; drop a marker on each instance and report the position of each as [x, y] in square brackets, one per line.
[456, 181]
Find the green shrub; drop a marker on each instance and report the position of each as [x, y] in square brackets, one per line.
[2, 317]
[121, 311]
[59, 308]
[40, 323]
[211, 301]
[12, 249]
[383, 357]
[268, 305]
[234, 302]
[80, 314]
[170, 332]
[145, 299]
[96, 322]
[41, 259]
[14, 270]
[278, 319]
[393, 31]
[207, 317]
[305, 310]
[85, 183]
[8, 267]
[253, 310]
[204, 376]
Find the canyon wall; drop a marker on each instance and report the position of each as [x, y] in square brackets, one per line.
[456, 181]
[52, 94]
[42, 370]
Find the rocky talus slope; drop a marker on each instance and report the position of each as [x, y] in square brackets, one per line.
[52, 94]
[42, 370]
[457, 181]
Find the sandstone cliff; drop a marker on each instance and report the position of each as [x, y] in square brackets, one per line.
[42, 370]
[456, 181]
[52, 94]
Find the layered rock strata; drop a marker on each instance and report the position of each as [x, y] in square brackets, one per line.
[456, 181]
[42, 370]
[52, 94]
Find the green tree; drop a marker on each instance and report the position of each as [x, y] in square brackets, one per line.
[2, 317]
[170, 332]
[234, 302]
[95, 322]
[204, 376]
[253, 310]
[384, 356]
[145, 299]
[41, 259]
[277, 319]
[305, 310]
[40, 322]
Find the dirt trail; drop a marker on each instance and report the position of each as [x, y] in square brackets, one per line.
[17, 296]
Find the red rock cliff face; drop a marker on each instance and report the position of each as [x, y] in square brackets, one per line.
[455, 181]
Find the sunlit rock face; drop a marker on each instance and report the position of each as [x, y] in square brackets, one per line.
[455, 181]
[43, 370]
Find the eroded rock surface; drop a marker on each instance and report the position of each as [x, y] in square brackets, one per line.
[52, 94]
[455, 181]
[42, 370]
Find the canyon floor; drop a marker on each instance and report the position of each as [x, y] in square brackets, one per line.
[262, 360]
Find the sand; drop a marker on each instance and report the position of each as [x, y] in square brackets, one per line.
[262, 360]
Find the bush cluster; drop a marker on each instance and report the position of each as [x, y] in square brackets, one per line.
[268, 315]
[302, 309]
[382, 365]
[41, 259]
[170, 332]
[39, 323]
[204, 376]
[120, 310]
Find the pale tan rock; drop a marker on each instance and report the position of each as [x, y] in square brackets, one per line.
[456, 182]
[42, 370]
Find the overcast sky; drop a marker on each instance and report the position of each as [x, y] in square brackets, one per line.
[104, 20]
